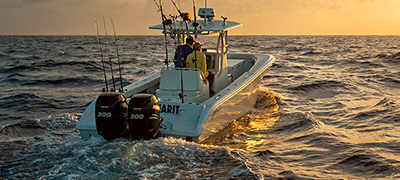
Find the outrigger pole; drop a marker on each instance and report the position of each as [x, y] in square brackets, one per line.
[101, 53]
[119, 62]
[109, 53]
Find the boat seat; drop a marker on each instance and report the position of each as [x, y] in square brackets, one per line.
[194, 88]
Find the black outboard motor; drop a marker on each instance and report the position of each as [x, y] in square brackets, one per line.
[111, 115]
[144, 117]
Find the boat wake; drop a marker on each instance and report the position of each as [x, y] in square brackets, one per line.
[264, 114]
[50, 147]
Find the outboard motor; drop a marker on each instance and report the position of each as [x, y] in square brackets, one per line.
[111, 115]
[144, 117]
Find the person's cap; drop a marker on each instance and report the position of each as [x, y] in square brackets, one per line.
[197, 45]
[190, 38]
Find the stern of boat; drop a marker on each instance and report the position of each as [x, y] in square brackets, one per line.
[87, 125]
[181, 120]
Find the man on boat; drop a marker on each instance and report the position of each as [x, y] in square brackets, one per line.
[182, 51]
[197, 59]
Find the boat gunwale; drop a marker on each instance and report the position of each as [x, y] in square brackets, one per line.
[211, 104]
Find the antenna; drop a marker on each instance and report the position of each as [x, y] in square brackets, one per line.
[101, 53]
[119, 62]
[108, 52]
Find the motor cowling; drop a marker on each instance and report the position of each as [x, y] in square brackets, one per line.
[144, 117]
[111, 115]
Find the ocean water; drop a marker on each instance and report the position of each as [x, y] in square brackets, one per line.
[329, 109]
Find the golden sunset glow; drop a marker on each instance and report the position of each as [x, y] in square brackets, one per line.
[267, 17]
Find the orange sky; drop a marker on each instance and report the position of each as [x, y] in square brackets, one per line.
[259, 17]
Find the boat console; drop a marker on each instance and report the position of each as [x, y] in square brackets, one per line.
[195, 89]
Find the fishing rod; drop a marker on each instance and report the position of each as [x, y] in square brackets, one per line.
[180, 13]
[195, 24]
[205, 16]
[182, 58]
[174, 31]
[165, 34]
[165, 22]
[108, 52]
[101, 53]
[185, 17]
[119, 62]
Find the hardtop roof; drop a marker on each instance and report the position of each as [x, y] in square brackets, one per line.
[211, 27]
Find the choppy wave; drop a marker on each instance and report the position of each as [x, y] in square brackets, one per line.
[51, 148]
[328, 109]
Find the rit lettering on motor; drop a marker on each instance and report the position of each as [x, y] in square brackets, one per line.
[170, 109]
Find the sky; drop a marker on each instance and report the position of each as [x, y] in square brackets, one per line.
[259, 17]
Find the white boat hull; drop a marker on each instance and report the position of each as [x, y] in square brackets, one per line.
[197, 121]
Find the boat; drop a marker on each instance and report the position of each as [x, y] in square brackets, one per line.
[176, 101]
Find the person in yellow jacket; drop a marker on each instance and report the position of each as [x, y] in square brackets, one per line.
[197, 59]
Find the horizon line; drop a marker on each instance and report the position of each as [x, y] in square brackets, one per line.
[207, 35]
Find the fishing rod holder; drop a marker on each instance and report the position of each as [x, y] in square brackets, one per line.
[224, 18]
[186, 16]
[167, 22]
[196, 24]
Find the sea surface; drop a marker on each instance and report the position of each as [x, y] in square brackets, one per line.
[329, 109]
